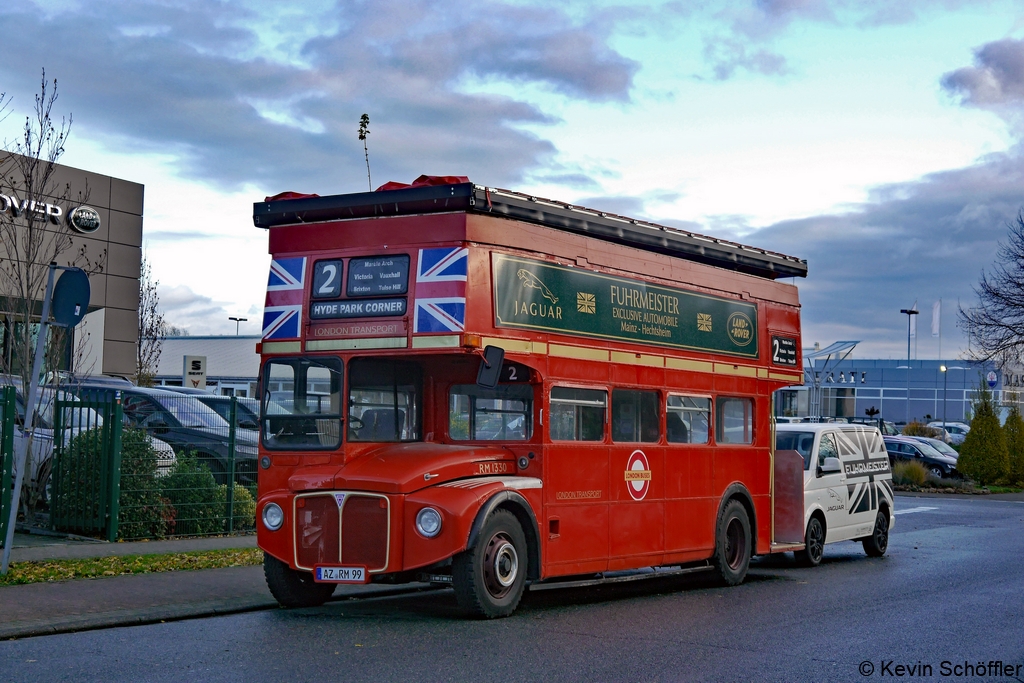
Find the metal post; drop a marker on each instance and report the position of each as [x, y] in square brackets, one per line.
[231, 463]
[117, 420]
[945, 376]
[7, 451]
[30, 418]
[909, 312]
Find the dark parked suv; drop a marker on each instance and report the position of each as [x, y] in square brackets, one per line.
[247, 415]
[905, 448]
[188, 425]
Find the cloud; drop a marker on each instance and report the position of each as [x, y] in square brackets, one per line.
[996, 78]
[199, 314]
[922, 240]
[199, 79]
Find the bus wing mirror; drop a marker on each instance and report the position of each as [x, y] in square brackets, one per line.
[490, 367]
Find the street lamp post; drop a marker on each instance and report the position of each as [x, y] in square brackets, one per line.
[909, 312]
[237, 320]
[945, 376]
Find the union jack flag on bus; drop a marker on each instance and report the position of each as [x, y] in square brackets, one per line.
[440, 304]
[282, 311]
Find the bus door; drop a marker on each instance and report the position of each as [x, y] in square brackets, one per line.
[690, 505]
[637, 470]
[576, 481]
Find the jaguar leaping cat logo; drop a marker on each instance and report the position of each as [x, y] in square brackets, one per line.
[531, 280]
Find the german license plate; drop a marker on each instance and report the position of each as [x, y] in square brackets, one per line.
[333, 574]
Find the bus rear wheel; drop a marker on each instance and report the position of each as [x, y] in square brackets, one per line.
[489, 578]
[733, 544]
[293, 588]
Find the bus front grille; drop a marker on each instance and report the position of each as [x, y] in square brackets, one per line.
[364, 532]
[316, 531]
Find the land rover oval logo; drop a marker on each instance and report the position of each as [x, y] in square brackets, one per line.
[741, 332]
[84, 219]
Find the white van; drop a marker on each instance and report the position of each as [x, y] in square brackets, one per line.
[847, 485]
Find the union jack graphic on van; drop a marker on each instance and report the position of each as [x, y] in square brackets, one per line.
[282, 310]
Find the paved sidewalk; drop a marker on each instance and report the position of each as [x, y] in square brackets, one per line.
[46, 608]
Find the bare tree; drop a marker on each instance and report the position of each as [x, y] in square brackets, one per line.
[30, 233]
[152, 328]
[996, 325]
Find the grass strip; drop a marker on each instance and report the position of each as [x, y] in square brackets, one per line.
[96, 567]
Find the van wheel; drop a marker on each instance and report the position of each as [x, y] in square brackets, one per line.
[490, 577]
[732, 544]
[876, 544]
[293, 588]
[814, 544]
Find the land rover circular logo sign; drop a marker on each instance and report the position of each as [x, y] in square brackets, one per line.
[84, 219]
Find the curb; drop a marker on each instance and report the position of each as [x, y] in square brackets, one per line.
[181, 612]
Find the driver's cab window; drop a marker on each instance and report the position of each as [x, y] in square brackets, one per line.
[501, 414]
[301, 408]
[827, 448]
[384, 400]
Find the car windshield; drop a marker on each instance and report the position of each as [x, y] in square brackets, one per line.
[801, 442]
[190, 411]
[928, 450]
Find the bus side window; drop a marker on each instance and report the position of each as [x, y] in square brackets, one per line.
[735, 423]
[635, 416]
[688, 419]
[578, 414]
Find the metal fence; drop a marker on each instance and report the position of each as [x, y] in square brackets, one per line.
[8, 410]
[181, 469]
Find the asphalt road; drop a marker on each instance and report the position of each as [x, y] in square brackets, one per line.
[951, 589]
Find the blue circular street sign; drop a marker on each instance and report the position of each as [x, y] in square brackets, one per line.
[71, 297]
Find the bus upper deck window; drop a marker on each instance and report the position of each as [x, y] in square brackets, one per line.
[578, 414]
[635, 416]
[688, 419]
[735, 423]
[504, 413]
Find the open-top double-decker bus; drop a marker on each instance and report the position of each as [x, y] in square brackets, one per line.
[471, 386]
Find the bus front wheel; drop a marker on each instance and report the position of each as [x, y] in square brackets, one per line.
[293, 588]
[489, 578]
[732, 544]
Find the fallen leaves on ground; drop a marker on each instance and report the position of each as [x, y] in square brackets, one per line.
[64, 570]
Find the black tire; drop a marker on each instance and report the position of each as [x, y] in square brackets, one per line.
[935, 471]
[733, 544]
[876, 544]
[293, 588]
[814, 544]
[489, 578]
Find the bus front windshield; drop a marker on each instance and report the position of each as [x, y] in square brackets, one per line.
[384, 400]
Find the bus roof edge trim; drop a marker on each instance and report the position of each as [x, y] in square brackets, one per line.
[468, 197]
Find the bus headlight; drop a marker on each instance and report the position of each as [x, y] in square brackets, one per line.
[273, 516]
[428, 522]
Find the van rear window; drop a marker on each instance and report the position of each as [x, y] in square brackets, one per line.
[801, 442]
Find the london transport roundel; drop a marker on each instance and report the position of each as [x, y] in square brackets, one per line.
[638, 475]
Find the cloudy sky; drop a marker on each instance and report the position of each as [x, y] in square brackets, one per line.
[881, 141]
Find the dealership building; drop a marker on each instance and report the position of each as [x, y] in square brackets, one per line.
[97, 222]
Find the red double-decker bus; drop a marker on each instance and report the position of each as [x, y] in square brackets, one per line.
[472, 386]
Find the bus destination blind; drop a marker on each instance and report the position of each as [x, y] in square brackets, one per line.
[378, 275]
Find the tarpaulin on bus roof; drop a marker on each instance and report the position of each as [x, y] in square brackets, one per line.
[288, 195]
[424, 181]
